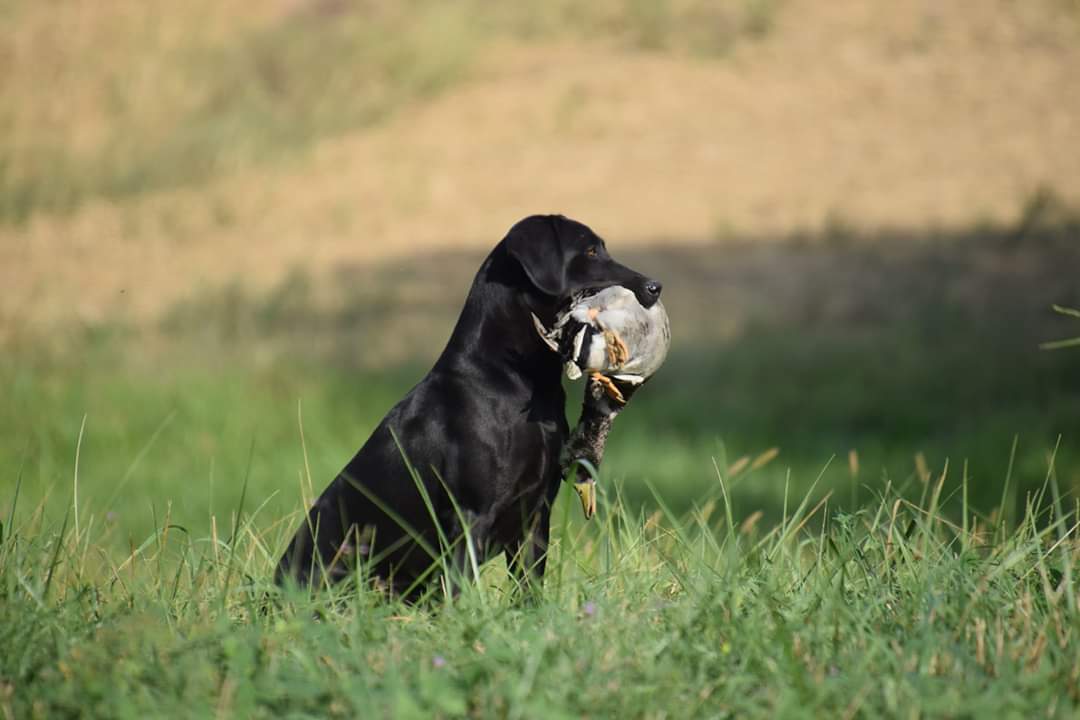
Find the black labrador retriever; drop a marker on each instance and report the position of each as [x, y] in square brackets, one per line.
[475, 447]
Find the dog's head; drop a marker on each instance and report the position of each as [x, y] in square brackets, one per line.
[562, 257]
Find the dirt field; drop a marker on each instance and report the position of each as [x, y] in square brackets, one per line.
[920, 118]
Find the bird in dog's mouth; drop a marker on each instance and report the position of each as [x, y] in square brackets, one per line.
[620, 344]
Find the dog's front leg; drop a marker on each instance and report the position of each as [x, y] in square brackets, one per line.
[527, 558]
[467, 552]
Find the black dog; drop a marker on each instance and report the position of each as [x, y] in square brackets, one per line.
[482, 433]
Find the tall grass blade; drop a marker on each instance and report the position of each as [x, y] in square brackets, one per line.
[236, 526]
[1005, 508]
[55, 560]
[143, 452]
[75, 479]
[9, 526]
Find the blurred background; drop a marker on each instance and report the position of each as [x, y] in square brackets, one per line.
[226, 227]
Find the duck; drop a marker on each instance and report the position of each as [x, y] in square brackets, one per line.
[611, 336]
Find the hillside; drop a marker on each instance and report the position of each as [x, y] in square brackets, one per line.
[756, 122]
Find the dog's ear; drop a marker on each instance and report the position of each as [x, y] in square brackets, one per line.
[534, 243]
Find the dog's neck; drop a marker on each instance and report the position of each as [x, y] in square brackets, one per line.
[495, 328]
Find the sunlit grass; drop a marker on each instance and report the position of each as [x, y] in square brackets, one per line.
[892, 609]
[733, 569]
[152, 480]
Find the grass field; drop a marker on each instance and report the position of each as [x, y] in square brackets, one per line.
[906, 553]
[853, 503]
[232, 235]
[890, 610]
[913, 347]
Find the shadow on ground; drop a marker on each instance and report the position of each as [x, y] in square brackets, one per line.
[892, 345]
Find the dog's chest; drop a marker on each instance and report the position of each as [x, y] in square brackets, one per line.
[535, 447]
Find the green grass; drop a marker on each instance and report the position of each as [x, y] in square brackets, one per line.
[170, 417]
[174, 436]
[1067, 342]
[144, 504]
[890, 610]
[160, 471]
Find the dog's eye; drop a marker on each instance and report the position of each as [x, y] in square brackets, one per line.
[592, 252]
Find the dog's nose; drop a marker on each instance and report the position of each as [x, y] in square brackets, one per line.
[653, 288]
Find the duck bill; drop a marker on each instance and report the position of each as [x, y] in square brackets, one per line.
[586, 490]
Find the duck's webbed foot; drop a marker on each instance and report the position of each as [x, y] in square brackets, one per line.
[610, 387]
[617, 352]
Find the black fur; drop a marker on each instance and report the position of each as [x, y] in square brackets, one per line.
[487, 425]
